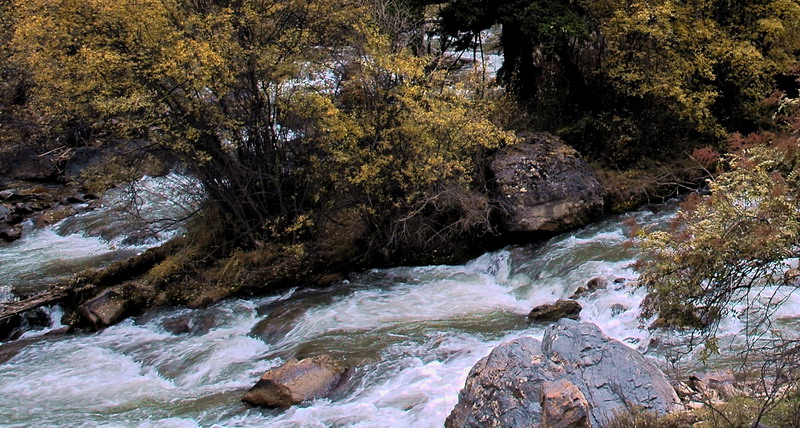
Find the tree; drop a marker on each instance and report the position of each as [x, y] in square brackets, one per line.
[709, 61]
[279, 107]
[737, 240]
[548, 28]
[624, 80]
[13, 85]
[733, 253]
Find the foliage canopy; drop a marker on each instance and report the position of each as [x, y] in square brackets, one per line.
[625, 80]
[279, 107]
[737, 246]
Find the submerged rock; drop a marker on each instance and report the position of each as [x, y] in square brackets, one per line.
[546, 186]
[618, 308]
[277, 324]
[519, 385]
[196, 324]
[297, 381]
[11, 349]
[555, 311]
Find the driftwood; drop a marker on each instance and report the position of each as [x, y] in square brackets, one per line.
[12, 313]
[73, 293]
[50, 297]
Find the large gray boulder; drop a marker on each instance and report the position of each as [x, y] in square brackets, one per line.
[610, 374]
[545, 186]
[503, 389]
[575, 369]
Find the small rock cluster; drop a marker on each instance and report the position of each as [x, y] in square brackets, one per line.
[46, 204]
[714, 387]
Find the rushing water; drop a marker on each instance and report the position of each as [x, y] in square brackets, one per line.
[412, 334]
[97, 237]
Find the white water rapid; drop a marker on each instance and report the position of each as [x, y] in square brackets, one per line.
[100, 236]
[412, 334]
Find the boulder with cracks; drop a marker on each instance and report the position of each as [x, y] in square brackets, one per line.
[576, 369]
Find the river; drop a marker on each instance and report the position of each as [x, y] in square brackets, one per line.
[411, 333]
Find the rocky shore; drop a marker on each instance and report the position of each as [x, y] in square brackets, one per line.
[543, 186]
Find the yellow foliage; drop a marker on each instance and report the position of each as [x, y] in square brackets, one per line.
[277, 105]
[682, 51]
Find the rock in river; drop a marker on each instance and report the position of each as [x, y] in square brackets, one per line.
[546, 186]
[592, 285]
[297, 381]
[10, 233]
[277, 324]
[555, 311]
[54, 215]
[107, 308]
[577, 369]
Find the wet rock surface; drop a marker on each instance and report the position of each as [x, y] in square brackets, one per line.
[13, 327]
[10, 233]
[195, 324]
[296, 381]
[11, 349]
[518, 379]
[545, 186]
[555, 311]
[277, 324]
[107, 308]
[54, 215]
[45, 204]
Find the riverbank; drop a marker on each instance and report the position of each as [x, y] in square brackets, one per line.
[199, 269]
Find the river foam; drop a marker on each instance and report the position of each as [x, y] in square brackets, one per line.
[100, 236]
[412, 334]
